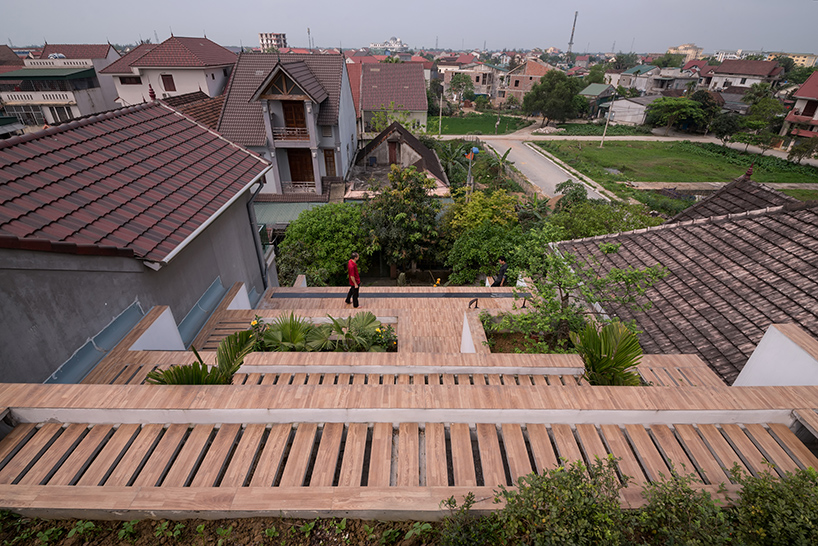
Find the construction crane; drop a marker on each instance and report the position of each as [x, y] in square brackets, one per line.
[571, 41]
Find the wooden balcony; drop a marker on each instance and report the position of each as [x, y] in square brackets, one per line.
[291, 133]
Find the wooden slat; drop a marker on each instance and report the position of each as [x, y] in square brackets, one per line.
[566, 444]
[544, 456]
[42, 468]
[239, 467]
[707, 463]
[591, 443]
[23, 457]
[136, 452]
[268, 379]
[354, 451]
[462, 458]
[253, 379]
[314, 379]
[516, 452]
[188, 457]
[380, 458]
[652, 461]
[270, 458]
[723, 451]
[769, 446]
[619, 448]
[108, 455]
[491, 459]
[299, 379]
[83, 452]
[299, 457]
[13, 438]
[161, 456]
[794, 445]
[216, 456]
[436, 466]
[745, 447]
[408, 455]
[809, 419]
[327, 458]
[672, 451]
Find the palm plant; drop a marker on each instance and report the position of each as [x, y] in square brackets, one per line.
[229, 358]
[452, 155]
[289, 333]
[609, 353]
[356, 332]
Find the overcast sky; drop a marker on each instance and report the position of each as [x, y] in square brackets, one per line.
[638, 25]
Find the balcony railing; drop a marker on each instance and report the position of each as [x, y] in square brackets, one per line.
[38, 97]
[59, 63]
[793, 118]
[291, 133]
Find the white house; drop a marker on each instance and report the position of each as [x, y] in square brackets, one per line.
[743, 73]
[177, 66]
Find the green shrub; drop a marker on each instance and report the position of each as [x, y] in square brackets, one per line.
[229, 358]
[462, 528]
[610, 353]
[476, 251]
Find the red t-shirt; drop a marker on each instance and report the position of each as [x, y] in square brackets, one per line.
[352, 267]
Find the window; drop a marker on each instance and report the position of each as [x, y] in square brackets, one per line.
[61, 113]
[130, 80]
[212, 75]
[167, 82]
[326, 130]
[743, 81]
[516, 83]
[225, 72]
[30, 115]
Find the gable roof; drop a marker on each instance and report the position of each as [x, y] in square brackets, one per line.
[640, 69]
[301, 74]
[137, 181]
[77, 51]
[241, 120]
[748, 68]
[532, 67]
[595, 89]
[809, 89]
[730, 277]
[401, 83]
[199, 107]
[696, 63]
[354, 71]
[123, 64]
[176, 52]
[428, 162]
[740, 195]
[9, 58]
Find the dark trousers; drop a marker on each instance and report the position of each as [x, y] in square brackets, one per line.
[353, 293]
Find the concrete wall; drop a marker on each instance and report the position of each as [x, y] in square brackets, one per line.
[92, 101]
[347, 126]
[778, 361]
[52, 303]
[631, 113]
[210, 81]
[107, 83]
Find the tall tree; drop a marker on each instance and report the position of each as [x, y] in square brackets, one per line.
[624, 61]
[757, 92]
[709, 105]
[553, 97]
[804, 149]
[724, 126]
[460, 84]
[669, 60]
[596, 74]
[669, 110]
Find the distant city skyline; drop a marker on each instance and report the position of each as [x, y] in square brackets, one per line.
[628, 25]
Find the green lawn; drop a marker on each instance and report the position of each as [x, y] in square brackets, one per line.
[476, 124]
[803, 195]
[596, 129]
[673, 162]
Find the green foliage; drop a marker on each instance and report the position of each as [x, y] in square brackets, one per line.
[670, 110]
[482, 103]
[387, 115]
[472, 209]
[625, 60]
[229, 358]
[308, 527]
[565, 505]
[452, 155]
[421, 530]
[553, 96]
[402, 220]
[128, 531]
[81, 528]
[386, 337]
[592, 218]
[476, 251]
[340, 526]
[224, 535]
[710, 107]
[669, 60]
[271, 532]
[462, 528]
[609, 248]
[773, 511]
[724, 126]
[573, 193]
[532, 212]
[627, 92]
[800, 74]
[596, 74]
[596, 129]
[357, 333]
[369, 531]
[291, 333]
[319, 242]
[610, 354]
[51, 534]
[757, 91]
[391, 536]
[475, 123]
[460, 84]
[803, 149]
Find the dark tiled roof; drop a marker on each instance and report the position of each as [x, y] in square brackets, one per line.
[205, 111]
[740, 195]
[181, 52]
[809, 90]
[180, 100]
[135, 180]
[354, 72]
[123, 64]
[301, 75]
[749, 68]
[401, 83]
[730, 277]
[429, 160]
[77, 51]
[241, 120]
[9, 58]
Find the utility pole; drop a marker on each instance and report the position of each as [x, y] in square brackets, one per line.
[440, 116]
[571, 41]
[608, 120]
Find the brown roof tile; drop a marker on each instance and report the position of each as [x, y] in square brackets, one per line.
[123, 64]
[809, 90]
[401, 83]
[9, 58]
[749, 68]
[429, 160]
[730, 277]
[77, 51]
[241, 120]
[134, 180]
[175, 52]
[205, 111]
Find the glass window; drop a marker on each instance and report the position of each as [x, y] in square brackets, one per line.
[130, 80]
[61, 113]
[167, 82]
[30, 115]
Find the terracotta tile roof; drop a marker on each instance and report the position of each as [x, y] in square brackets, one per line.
[748, 68]
[740, 195]
[9, 58]
[809, 89]
[123, 64]
[77, 51]
[184, 52]
[179, 100]
[401, 83]
[532, 67]
[730, 277]
[700, 64]
[205, 111]
[354, 70]
[429, 160]
[241, 120]
[135, 180]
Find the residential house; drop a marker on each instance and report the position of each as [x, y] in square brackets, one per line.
[519, 81]
[612, 76]
[454, 62]
[802, 120]
[639, 77]
[743, 73]
[177, 66]
[388, 85]
[597, 94]
[733, 98]
[61, 85]
[119, 212]
[297, 111]
[690, 51]
[577, 72]
[582, 61]
[798, 59]
[671, 78]
[485, 77]
[429, 68]
[395, 145]
[272, 40]
[631, 111]
[738, 263]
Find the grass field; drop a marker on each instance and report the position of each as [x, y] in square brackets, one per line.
[803, 195]
[673, 162]
[596, 129]
[476, 124]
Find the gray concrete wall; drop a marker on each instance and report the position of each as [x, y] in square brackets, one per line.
[53, 303]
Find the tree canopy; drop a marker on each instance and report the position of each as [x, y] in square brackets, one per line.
[623, 61]
[669, 110]
[461, 84]
[553, 97]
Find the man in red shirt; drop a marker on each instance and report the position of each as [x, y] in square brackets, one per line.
[354, 280]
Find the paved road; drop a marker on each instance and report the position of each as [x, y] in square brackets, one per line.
[540, 170]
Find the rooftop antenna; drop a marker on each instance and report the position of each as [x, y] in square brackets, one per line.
[309, 40]
[571, 41]
[204, 33]
[156, 36]
[171, 33]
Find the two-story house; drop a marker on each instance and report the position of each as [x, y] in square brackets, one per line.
[519, 81]
[744, 73]
[802, 120]
[61, 85]
[639, 77]
[485, 77]
[385, 86]
[297, 111]
[177, 66]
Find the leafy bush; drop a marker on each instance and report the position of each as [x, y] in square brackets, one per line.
[471, 209]
[476, 251]
[610, 353]
[229, 358]
[292, 333]
[596, 129]
[462, 528]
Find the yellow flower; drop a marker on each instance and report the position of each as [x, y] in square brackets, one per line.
[438, 280]
[254, 323]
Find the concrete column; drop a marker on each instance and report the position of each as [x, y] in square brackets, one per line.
[268, 132]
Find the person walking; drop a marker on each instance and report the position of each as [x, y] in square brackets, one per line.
[500, 279]
[354, 280]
